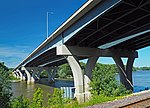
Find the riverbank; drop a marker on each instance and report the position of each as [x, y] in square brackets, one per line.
[14, 81]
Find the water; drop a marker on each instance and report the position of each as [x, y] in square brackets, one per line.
[141, 80]
[27, 90]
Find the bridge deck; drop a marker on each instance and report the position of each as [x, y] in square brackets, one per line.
[127, 18]
[120, 24]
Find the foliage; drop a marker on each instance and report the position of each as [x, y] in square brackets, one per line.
[37, 101]
[64, 71]
[11, 77]
[44, 74]
[20, 102]
[99, 99]
[140, 68]
[104, 82]
[144, 68]
[5, 87]
[56, 100]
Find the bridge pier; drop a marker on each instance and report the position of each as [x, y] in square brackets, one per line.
[88, 75]
[81, 78]
[36, 71]
[30, 79]
[82, 81]
[78, 77]
[17, 75]
[14, 74]
[125, 71]
[51, 73]
[21, 75]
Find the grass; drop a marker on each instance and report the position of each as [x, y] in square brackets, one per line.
[93, 101]
[13, 78]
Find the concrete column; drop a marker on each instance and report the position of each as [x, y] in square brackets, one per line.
[14, 74]
[33, 76]
[54, 73]
[125, 72]
[51, 73]
[17, 75]
[88, 75]
[21, 75]
[35, 71]
[30, 79]
[38, 75]
[129, 67]
[78, 77]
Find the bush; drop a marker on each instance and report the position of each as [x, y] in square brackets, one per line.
[104, 82]
[20, 102]
[37, 101]
[5, 87]
[56, 100]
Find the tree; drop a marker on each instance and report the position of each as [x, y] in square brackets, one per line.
[64, 71]
[37, 101]
[5, 87]
[104, 82]
[20, 102]
[56, 100]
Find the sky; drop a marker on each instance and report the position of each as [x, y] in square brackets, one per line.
[23, 27]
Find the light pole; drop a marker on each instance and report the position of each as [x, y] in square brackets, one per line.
[47, 23]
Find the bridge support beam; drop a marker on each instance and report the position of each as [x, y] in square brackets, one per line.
[88, 75]
[125, 72]
[51, 73]
[78, 77]
[81, 79]
[21, 75]
[82, 84]
[17, 75]
[30, 79]
[14, 74]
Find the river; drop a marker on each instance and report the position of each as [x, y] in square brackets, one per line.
[141, 80]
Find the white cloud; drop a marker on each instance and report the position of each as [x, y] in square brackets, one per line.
[12, 56]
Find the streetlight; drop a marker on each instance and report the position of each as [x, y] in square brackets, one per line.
[47, 21]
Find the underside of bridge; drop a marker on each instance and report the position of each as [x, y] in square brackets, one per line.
[118, 32]
[126, 18]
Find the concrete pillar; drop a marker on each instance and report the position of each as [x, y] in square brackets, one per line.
[78, 77]
[125, 72]
[88, 75]
[51, 73]
[17, 75]
[38, 75]
[35, 71]
[14, 74]
[30, 79]
[21, 75]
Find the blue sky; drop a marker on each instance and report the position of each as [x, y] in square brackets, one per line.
[23, 27]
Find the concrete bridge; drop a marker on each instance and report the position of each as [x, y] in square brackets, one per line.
[100, 28]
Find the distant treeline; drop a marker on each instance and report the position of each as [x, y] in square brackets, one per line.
[64, 71]
[141, 68]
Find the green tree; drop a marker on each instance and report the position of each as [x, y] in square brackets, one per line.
[20, 102]
[64, 71]
[37, 101]
[104, 82]
[56, 100]
[5, 87]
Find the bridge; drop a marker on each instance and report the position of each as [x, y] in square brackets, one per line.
[100, 28]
